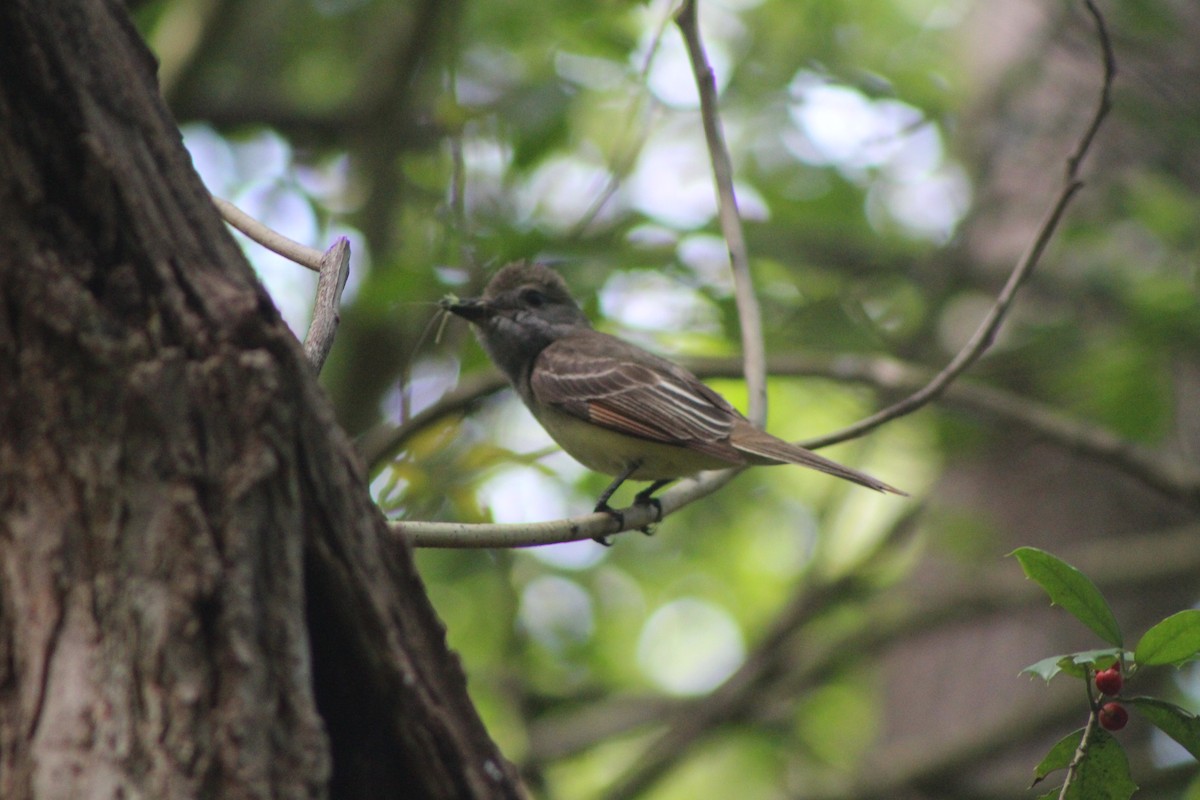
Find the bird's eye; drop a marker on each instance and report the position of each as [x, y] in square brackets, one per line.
[533, 298]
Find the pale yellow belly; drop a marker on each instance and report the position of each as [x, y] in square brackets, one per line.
[607, 451]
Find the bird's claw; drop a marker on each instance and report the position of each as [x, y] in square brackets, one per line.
[651, 501]
[648, 529]
[605, 508]
[658, 513]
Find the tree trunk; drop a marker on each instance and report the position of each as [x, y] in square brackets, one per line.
[197, 596]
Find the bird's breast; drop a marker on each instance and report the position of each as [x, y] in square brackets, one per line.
[604, 450]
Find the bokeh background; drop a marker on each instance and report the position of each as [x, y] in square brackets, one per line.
[789, 637]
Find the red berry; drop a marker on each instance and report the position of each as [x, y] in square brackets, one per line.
[1109, 681]
[1113, 716]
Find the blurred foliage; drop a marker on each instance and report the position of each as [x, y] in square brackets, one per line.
[892, 161]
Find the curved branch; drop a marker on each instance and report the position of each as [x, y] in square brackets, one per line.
[384, 441]
[1172, 476]
[749, 314]
[988, 328]
[271, 239]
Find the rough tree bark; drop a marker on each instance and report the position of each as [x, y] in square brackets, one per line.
[197, 597]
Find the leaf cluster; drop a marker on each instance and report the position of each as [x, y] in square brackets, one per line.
[1096, 763]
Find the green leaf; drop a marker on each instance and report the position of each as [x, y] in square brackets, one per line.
[1047, 668]
[1173, 641]
[1073, 663]
[1103, 772]
[1058, 758]
[1180, 724]
[1103, 658]
[1071, 589]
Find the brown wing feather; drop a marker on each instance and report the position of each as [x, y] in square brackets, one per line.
[621, 387]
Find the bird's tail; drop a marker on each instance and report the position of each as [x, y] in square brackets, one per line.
[760, 447]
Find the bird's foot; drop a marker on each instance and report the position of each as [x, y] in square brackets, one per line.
[645, 498]
[658, 512]
[604, 508]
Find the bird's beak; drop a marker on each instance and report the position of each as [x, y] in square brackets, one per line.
[473, 310]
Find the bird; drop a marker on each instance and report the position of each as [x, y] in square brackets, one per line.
[616, 408]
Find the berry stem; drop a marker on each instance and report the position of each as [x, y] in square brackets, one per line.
[1077, 759]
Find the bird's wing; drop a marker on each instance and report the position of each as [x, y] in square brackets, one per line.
[619, 386]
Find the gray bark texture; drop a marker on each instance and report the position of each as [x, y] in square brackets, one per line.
[197, 596]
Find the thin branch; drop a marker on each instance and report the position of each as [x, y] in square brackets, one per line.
[1081, 751]
[335, 269]
[749, 314]
[272, 240]
[979, 342]
[1088, 731]
[574, 529]
[986, 333]
[1174, 477]
[1105, 105]
[385, 441]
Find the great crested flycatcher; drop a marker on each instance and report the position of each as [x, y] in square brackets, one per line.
[615, 407]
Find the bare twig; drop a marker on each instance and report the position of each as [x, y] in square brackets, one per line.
[979, 342]
[335, 268]
[1081, 751]
[749, 314]
[1174, 477]
[272, 240]
[575, 529]
[1110, 74]
[384, 441]
[986, 333]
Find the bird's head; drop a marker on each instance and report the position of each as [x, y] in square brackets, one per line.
[524, 308]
